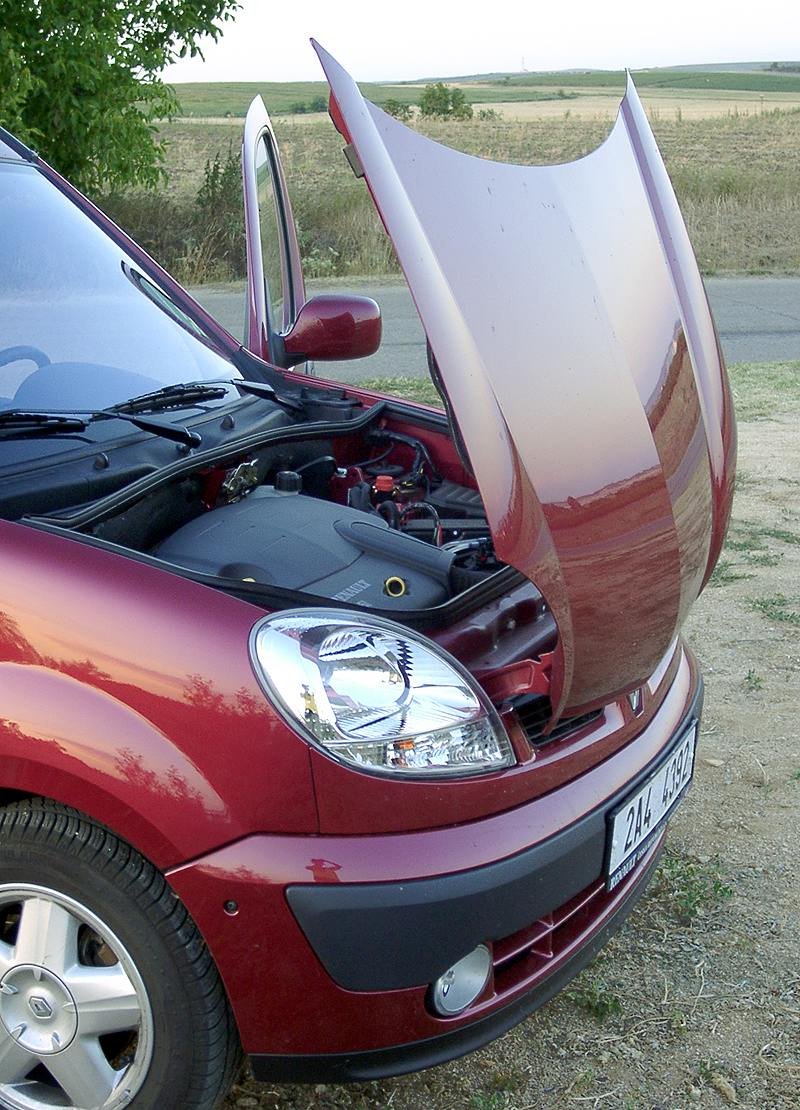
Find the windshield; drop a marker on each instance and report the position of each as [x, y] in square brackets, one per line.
[80, 326]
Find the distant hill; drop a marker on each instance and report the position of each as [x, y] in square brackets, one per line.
[675, 78]
[738, 67]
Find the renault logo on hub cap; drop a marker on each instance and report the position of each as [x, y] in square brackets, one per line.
[37, 1009]
[40, 1006]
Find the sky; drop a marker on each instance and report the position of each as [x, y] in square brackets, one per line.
[379, 41]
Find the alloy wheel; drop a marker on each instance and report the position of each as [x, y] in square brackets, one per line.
[76, 1026]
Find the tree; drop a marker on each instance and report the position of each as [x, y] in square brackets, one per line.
[435, 100]
[439, 100]
[80, 80]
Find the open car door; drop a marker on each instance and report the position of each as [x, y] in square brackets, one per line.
[275, 289]
[282, 326]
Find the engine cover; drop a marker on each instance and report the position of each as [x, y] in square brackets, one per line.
[313, 546]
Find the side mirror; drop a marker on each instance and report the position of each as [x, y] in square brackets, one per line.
[332, 326]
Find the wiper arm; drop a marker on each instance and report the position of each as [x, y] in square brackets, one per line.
[178, 433]
[263, 389]
[19, 424]
[178, 395]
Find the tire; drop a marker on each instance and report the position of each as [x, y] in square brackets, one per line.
[109, 997]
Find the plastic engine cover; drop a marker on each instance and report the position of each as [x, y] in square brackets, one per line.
[302, 543]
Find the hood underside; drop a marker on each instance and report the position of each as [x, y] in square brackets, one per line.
[574, 340]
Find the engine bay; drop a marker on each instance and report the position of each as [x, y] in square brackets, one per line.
[376, 516]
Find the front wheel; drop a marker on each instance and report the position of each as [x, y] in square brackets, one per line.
[108, 995]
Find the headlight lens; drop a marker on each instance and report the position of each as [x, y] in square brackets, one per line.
[376, 696]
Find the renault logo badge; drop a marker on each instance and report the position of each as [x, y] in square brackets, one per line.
[40, 1006]
[635, 701]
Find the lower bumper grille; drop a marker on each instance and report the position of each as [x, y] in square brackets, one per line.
[530, 953]
[534, 711]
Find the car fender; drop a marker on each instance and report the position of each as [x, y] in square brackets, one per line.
[68, 741]
[127, 692]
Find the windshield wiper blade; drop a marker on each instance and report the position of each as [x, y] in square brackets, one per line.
[17, 424]
[177, 395]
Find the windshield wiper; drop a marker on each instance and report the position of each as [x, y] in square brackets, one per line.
[183, 394]
[177, 395]
[19, 424]
[263, 389]
[178, 433]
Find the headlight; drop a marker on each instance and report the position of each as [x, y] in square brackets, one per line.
[377, 696]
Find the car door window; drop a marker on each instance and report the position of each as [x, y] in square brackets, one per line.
[274, 254]
[275, 288]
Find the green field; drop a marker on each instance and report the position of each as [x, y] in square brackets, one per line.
[290, 97]
[663, 79]
[232, 98]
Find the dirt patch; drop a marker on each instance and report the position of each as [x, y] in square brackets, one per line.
[697, 1000]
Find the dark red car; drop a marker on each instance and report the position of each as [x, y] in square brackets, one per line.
[335, 728]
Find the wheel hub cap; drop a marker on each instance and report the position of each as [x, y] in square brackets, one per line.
[37, 1009]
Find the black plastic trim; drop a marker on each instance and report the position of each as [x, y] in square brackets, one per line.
[400, 1059]
[17, 145]
[391, 936]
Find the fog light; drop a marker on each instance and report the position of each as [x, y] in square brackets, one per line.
[462, 983]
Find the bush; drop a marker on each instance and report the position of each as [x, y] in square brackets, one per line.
[435, 100]
[219, 215]
[439, 100]
[460, 108]
[397, 109]
[303, 107]
[197, 241]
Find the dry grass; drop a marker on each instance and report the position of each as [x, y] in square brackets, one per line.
[737, 178]
[668, 104]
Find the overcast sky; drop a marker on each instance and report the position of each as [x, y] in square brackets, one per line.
[422, 38]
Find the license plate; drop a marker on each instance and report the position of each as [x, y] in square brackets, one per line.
[635, 824]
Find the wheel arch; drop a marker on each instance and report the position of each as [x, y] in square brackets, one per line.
[69, 742]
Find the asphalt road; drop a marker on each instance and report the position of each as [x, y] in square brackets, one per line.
[758, 321]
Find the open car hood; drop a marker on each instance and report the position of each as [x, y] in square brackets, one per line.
[575, 344]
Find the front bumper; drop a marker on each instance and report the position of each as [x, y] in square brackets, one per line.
[333, 941]
[402, 1058]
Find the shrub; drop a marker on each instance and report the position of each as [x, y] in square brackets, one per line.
[439, 100]
[219, 215]
[397, 109]
[435, 100]
[460, 108]
[198, 241]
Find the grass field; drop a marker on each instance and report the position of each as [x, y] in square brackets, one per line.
[697, 1001]
[730, 140]
[665, 78]
[232, 98]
